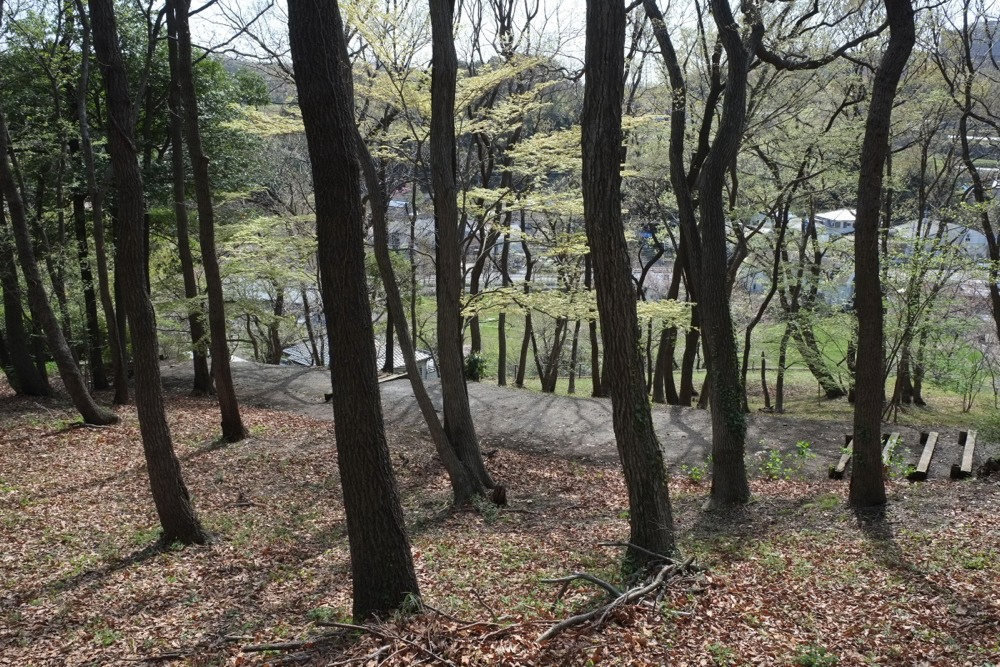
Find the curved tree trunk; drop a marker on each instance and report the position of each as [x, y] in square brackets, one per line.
[463, 479]
[650, 518]
[170, 494]
[381, 563]
[458, 422]
[232, 423]
[72, 378]
[867, 484]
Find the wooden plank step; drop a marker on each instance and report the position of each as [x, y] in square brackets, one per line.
[837, 472]
[929, 441]
[968, 439]
[890, 443]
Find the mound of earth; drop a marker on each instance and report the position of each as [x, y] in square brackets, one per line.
[572, 427]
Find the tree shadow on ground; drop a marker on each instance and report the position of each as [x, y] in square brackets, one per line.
[91, 576]
[880, 537]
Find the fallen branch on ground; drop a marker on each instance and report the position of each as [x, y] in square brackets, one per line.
[631, 595]
[388, 636]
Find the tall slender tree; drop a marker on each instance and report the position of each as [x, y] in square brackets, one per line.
[867, 483]
[196, 322]
[458, 423]
[170, 494]
[116, 343]
[650, 518]
[232, 423]
[381, 563]
[72, 378]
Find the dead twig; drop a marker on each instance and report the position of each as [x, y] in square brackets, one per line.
[278, 646]
[388, 636]
[175, 655]
[625, 598]
[363, 659]
[567, 580]
[485, 606]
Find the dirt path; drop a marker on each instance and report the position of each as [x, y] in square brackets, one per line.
[577, 428]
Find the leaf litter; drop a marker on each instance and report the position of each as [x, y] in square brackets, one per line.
[791, 579]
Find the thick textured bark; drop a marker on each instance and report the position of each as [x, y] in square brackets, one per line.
[232, 423]
[196, 324]
[867, 484]
[170, 494]
[458, 422]
[729, 478]
[72, 378]
[381, 564]
[650, 518]
[116, 343]
[26, 378]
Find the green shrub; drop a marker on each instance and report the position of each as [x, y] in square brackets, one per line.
[475, 367]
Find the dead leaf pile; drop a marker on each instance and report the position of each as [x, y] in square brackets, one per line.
[792, 577]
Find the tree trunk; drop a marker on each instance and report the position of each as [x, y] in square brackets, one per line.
[779, 382]
[867, 484]
[729, 478]
[596, 386]
[232, 424]
[95, 340]
[388, 365]
[72, 378]
[650, 518]
[26, 378]
[203, 385]
[464, 483]
[116, 343]
[381, 565]
[763, 381]
[573, 356]
[692, 339]
[274, 347]
[522, 358]
[808, 347]
[502, 317]
[458, 422]
[918, 370]
[307, 314]
[550, 372]
[170, 494]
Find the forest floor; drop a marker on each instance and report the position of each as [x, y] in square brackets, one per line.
[792, 579]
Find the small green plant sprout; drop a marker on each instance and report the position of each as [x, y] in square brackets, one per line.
[695, 474]
[722, 655]
[814, 656]
[774, 466]
[803, 449]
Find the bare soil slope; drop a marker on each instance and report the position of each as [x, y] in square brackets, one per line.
[578, 428]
